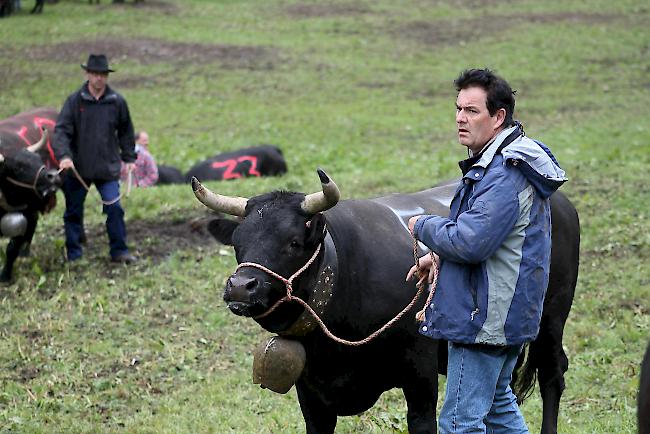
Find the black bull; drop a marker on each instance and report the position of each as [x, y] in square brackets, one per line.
[643, 402]
[28, 180]
[372, 253]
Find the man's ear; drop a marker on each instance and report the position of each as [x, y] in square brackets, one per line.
[315, 230]
[222, 230]
[500, 118]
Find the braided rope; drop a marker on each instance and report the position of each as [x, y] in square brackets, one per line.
[290, 297]
[421, 314]
[110, 202]
[25, 185]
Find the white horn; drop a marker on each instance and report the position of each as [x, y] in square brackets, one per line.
[230, 205]
[322, 200]
[37, 146]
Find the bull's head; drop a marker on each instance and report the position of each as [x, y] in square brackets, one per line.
[278, 230]
[25, 179]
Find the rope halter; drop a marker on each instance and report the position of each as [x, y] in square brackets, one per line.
[31, 186]
[288, 283]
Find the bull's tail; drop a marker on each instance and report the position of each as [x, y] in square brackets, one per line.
[524, 376]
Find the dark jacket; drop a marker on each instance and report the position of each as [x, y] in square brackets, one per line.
[96, 134]
[495, 246]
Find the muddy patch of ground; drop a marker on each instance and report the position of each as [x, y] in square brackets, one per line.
[155, 240]
[149, 5]
[456, 32]
[146, 51]
[326, 9]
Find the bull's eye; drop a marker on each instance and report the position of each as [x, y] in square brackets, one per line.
[294, 244]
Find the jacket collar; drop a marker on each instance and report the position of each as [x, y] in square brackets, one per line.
[108, 96]
[533, 158]
[477, 164]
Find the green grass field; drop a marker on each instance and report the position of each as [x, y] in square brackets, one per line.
[362, 89]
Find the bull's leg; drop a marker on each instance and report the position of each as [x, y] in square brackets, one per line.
[319, 418]
[552, 363]
[421, 398]
[13, 248]
[32, 221]
[38, 7]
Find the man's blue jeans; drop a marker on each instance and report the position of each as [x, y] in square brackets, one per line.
[75, 195]
[478, 398]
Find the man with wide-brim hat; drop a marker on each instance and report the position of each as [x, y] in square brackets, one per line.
[93, 134]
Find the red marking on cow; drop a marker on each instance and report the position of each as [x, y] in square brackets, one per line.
[22, 133]
[253, 160]
[41, 122]
[231, 165]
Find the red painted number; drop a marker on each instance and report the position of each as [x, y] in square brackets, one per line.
[231, 165]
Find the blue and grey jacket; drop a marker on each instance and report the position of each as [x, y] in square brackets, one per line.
[495, 247]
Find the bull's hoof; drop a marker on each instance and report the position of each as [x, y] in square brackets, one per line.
[5, 281]
[25, 251]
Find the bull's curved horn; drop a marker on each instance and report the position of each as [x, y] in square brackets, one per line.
[323, 200]
[38, 145]
[230, 205]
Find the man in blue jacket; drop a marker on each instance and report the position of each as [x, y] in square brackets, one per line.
[493, 253]
[93, 133]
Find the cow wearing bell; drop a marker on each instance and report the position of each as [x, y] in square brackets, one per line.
[28, 184]
[356, 285]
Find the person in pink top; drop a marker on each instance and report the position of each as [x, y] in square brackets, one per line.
[145, 173]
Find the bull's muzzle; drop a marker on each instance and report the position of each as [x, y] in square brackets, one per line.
[54, 178]
[49, 182]
[240, 294]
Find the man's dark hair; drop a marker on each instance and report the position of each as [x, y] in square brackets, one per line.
[499, 93]
[136, 137]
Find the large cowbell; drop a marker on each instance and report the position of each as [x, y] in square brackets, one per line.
[278, 363]
[13, 224]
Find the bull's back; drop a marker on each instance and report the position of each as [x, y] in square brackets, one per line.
[375, 250]
[24, 129]
[262, 160]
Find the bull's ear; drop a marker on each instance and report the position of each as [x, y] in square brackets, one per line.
[315, 230]
[222, 230]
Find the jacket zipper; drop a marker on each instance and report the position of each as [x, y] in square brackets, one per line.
[475, 299]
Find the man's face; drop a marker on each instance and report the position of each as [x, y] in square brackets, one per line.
[97, 80]
[474, 124]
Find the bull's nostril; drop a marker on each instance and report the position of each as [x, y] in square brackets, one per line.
[251, 284]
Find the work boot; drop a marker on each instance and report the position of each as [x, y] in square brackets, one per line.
[124, 258]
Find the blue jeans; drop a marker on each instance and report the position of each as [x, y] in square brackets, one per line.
[478, 398]
[75, 195]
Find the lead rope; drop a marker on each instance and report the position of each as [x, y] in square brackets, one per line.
[421, 314]
[110, 202]
[290, 297]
